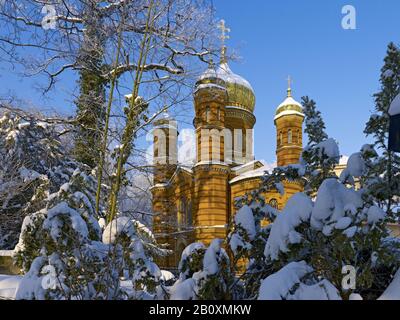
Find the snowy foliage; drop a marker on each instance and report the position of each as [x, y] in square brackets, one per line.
[212, 279]
[33, 164]
[382, 175]
[291, 283]
[60, 247]
[336, 229]
[321, 154]
[68, 256]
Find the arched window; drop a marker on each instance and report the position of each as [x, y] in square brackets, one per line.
[189, 216]
[289, 136]
[182, 212]
[280, 138]
[273, 203]
[207, 113]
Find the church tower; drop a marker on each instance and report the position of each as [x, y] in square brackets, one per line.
[211, 172]
[289, 134]
[165, 136]
[224, 104]
[165, 152]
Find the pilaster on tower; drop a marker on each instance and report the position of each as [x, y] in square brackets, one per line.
[165, 135]
[165, 154]
[210, 100]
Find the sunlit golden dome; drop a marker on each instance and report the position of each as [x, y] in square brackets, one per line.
[289, 106]
[240, 92]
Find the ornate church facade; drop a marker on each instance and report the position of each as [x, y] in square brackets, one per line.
[196, 203]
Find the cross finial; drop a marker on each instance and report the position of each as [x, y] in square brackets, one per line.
[289, 90]
[224, 30]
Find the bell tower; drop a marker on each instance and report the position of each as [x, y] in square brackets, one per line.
[165, 136]
[165, 153]
[211, 173]
[289, 130]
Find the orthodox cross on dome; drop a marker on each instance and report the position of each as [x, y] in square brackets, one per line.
[289, 89]
[224, 30]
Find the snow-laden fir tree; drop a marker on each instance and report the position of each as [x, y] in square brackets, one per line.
[335, 230]
[60, 247]
[383, 166]
[191, 262]
[205, 274]
[33, 164]
[248, 235]
[136, 246]
[321, 154]
[67, 255]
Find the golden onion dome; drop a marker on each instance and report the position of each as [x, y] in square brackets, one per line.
[289, 106]
[240, 92]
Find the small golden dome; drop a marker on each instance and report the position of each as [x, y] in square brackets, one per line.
[289, 106]
[240, 92]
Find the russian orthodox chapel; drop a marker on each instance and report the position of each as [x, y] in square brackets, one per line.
[196, 203]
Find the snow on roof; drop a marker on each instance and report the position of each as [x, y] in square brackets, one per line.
[289, 106]
[289, 101]
[288, 112]
[395, 106]
[205, 162]
[224, 72]
[232, 77]
[243, 167]
[259, 172]
[208, 86]
[186, 168]
[178, 169]
[6, 253]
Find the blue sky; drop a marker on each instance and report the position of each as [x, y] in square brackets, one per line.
[303, 38]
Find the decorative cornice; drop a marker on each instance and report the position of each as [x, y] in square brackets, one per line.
[240, 113]
[289, 147]
[212, 166]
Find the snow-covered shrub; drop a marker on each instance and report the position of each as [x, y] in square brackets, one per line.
[67, 256]
[247, 239]
[321, 154]
[337, 229]
[69, 216]
[33, 164]
[295, 281]
[383, 168]
[60, 248]
[124, 235]
[191, 262]
[214, 279]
